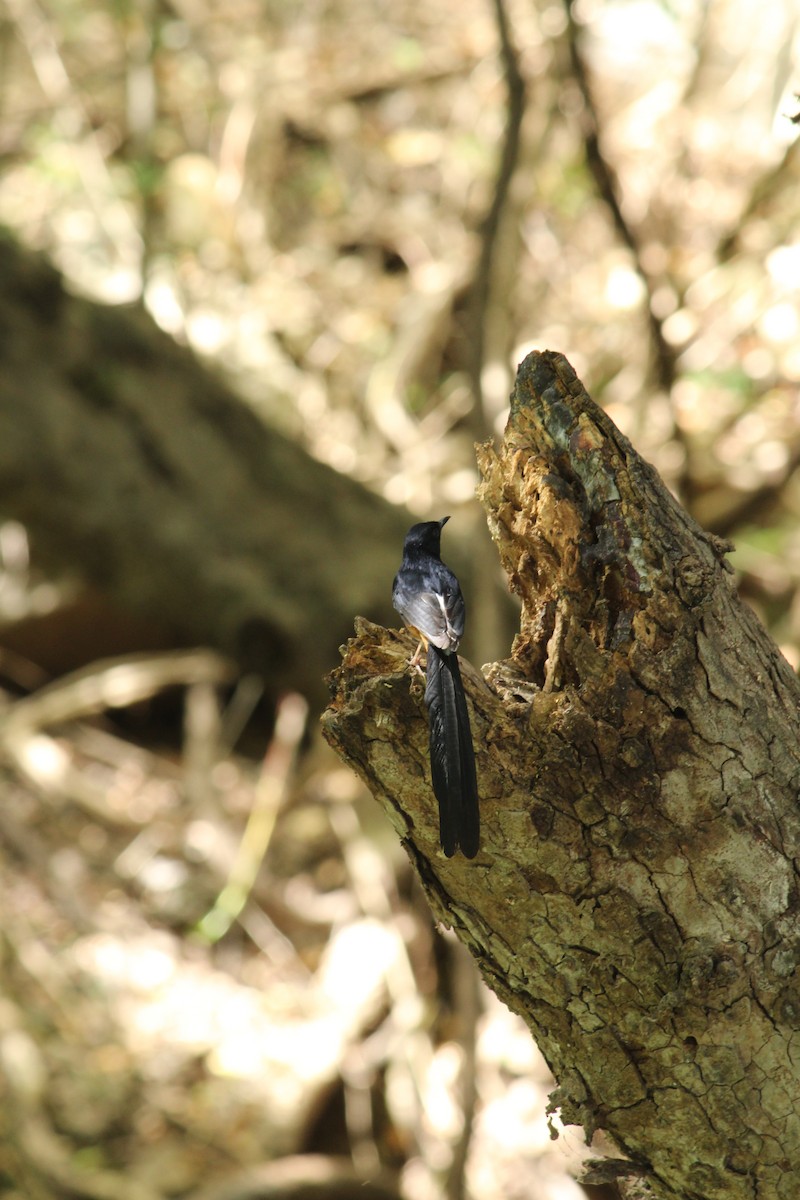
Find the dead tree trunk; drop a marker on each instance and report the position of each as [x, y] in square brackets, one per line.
[636, 894]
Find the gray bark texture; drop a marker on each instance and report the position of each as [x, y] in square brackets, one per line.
[132, 466]
[636, 894]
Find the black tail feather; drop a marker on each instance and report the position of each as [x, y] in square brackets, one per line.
[452, 755]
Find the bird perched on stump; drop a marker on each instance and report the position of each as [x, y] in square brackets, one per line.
[427, 595]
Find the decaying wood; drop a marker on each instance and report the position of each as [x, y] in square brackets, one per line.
[636, 894]
[135, 468]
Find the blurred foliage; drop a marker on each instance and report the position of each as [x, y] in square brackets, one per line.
[211, 963]
[299, 191]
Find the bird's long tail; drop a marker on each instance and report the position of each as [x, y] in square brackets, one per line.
[452, 756]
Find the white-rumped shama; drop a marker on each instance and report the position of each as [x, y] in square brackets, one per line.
[427, 595]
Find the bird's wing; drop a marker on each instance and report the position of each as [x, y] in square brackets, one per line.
[453, 603]
[425, 612]
[438, 617]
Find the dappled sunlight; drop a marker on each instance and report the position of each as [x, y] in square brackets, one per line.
[215, 952]
[322, 996]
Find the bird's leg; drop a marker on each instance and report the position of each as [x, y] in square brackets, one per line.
[414, 661]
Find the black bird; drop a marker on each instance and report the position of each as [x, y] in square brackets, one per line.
[427, 595]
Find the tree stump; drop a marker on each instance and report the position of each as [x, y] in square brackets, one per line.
[635, 897]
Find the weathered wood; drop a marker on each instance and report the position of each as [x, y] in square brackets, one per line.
[133, 467]
[636, 894]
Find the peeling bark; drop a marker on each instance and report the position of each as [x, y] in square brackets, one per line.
[636, 893]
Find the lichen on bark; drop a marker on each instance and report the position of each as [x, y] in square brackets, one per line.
[635, 896]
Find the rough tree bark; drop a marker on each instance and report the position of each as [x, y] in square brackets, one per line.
[134, 467]
[636, 894]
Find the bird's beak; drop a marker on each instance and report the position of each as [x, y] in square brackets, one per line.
[443, 521]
